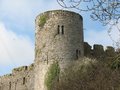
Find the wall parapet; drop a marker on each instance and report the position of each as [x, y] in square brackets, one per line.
[98, 51]
[21, 78]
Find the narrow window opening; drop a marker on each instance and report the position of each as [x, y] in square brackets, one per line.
[25, 67]
[58, 29]
[77, 56]
[62, 29]
[15, 85]
[9, 85]
[23, 80]
[79, 52]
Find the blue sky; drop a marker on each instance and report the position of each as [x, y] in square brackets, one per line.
[17, 28]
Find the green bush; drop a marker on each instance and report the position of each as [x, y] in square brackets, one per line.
[52, 75]
[89, 75]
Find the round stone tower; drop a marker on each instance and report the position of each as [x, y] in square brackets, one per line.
[59, 36]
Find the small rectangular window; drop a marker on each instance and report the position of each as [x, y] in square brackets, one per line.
[23, 80]
[77, 56]
[62, 29]
[58, 29]
[79, 52]
[9, 85]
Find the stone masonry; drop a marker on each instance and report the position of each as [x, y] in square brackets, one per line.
[59, 37]
[20, 79]
[98, 51]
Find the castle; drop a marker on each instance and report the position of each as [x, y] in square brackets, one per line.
[59, 38]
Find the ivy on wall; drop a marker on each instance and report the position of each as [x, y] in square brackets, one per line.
[52, 75]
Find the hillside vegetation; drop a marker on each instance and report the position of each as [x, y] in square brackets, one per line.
[90, 74]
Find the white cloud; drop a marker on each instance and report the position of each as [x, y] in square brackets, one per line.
[15, 50]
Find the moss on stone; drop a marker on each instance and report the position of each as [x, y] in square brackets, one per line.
[20, 68]
[31, 67]
[52, 75]
[42, 20]
[7, 75]
[38, 51]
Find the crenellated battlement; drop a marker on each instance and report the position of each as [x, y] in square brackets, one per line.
[98, 51]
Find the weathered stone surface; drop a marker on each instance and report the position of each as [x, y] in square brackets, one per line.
[59, 39]
[51, 43]
[22, 78]
[98, 51]
[87, 49]
[110, 51]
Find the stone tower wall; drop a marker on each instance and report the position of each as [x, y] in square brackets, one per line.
[53, 43]
[59, 37]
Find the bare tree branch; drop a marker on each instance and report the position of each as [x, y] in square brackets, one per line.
[105, 11]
